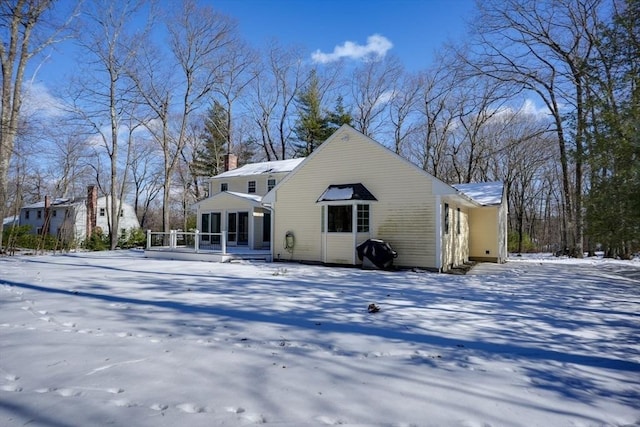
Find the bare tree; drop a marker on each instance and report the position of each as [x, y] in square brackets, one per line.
[27, 27]
[200, 40]
[372, 88]
[233, 76]
[105, 99]
[403, 108]
[146, 177]
[479, 101]
[277, 82]
[544, 46]
[437, 119]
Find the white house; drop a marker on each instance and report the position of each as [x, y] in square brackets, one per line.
[235, 203]
[351, 189]
[76, 218]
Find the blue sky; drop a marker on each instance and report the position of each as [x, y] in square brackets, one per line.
[410, 29]
[415, 28]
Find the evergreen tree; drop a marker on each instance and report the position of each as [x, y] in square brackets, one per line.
[210, 159]
[314, 125]
[339, 116]
[613, 208]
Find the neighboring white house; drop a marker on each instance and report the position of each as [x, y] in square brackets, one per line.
[76, 218]
[235, 203]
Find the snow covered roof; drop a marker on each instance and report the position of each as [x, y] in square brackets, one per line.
[483, 193]
[252, 197]
[10, 220]
[346, 192]
[276, 166]
[54, 203]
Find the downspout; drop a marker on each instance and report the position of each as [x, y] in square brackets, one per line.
[438, 234]
[354, 229]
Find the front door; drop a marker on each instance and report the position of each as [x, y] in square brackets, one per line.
[238, 228]
[243, 228]
[232, 228]
[210, 223]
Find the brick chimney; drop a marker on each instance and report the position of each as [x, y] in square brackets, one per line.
[92, 209]
[230, 162]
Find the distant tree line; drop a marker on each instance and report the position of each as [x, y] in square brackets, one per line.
[543, 96]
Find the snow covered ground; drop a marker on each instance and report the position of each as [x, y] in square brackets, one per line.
[112, 338]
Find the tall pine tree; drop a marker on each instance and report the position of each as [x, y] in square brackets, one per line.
[210, 159]
[314, 125]
[613, 202]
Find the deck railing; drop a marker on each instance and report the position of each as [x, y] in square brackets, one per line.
[194, 240]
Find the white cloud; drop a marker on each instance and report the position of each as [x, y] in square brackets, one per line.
[37, 100]
[377, 45]
[530, 107]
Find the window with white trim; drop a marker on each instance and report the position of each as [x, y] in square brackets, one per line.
[363, 218]
[271, 182]
[251, 187]
[339, 218]
[224, 186]
[103, 211]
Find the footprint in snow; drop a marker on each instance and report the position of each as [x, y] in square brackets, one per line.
[68, 392]
[329, 421]
[45, 390]
[11, 377]
[11, 387]
[124, 403]
[190, 408]
[159, 407]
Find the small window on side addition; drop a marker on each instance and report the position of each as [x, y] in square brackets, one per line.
[26, 214]
[224, 186]
[458, 221]
[102, 211]
[270, 184]
[251, 187]
[39, 214]
[53, 212]
[363, 218]
[446, 218]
